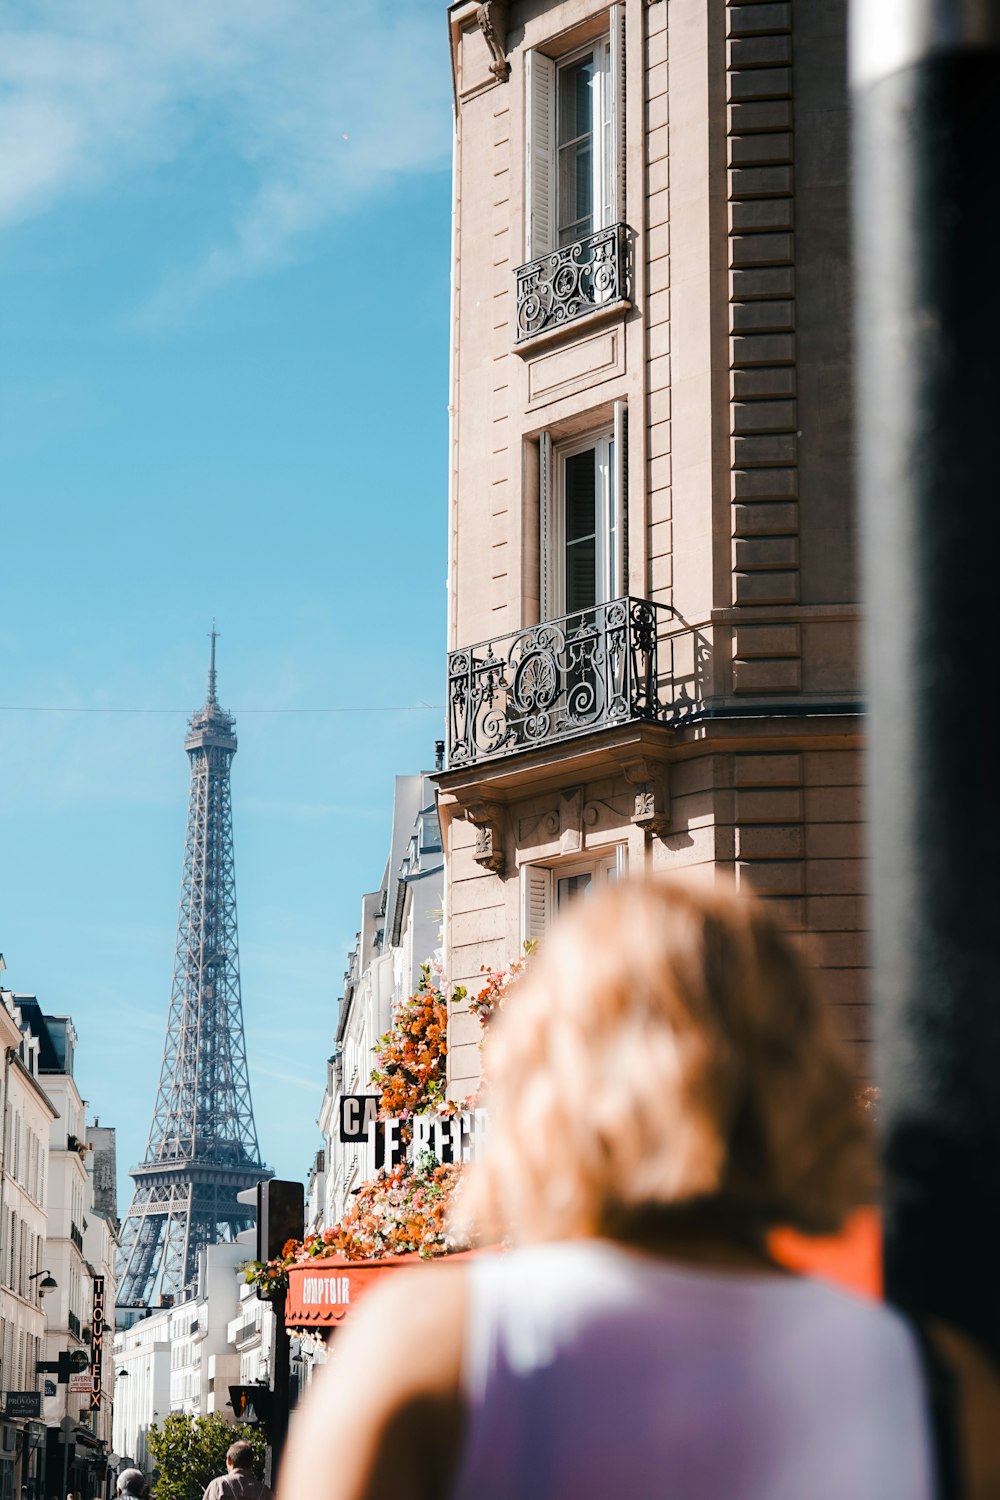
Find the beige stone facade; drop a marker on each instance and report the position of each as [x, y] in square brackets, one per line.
[651, 399]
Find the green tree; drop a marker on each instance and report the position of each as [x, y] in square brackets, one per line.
[189, 1451]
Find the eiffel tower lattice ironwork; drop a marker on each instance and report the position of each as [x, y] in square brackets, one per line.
[202, 1149]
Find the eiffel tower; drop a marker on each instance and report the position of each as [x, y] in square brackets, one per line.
[202, 1149]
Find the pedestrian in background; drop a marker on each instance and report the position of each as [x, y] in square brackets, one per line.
[664, 1088]
[132, 1483]
[239, 1481]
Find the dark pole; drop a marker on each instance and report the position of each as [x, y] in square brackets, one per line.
[926, 85]
[277, 1421]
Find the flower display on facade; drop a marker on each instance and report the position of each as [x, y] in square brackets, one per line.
[403, 1209]
[498, 981]
[411, 1058]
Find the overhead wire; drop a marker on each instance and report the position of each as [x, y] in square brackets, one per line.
[360, 708]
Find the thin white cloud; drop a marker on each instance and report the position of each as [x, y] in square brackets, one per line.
[319, 103]
[278, 1075]
[306, 812]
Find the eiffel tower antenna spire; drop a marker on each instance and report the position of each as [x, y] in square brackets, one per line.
[202, 1148]
[213, 634]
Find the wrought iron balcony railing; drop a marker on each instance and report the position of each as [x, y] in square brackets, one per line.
[576, 279]
[618, 663]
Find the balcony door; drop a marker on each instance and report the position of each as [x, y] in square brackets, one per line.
[582, 504]
[584, 155]
[585, 514]
[574, 140]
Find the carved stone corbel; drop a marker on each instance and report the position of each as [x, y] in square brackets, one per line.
[651, 801]
[488, 820]
[492, 18]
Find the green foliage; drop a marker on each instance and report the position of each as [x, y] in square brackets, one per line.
[189, 1451]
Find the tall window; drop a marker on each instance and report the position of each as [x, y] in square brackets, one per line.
[582, 519]
[574, 140]
[587, 512]
[582, 160]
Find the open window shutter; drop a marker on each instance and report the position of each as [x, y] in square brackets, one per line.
[539, 173]
[616, 96]
[547, 561]
[619, 501]
[536, 902]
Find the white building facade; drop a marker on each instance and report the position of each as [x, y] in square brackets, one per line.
[400, 931]
[26, 1115]
[58, 1237]
[68, 1308]
[184, 1358]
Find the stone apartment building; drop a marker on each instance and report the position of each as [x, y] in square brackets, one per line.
[652, 633]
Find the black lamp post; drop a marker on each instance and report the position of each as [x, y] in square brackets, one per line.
[926, 80]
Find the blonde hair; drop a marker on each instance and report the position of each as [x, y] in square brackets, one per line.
[666, 1049]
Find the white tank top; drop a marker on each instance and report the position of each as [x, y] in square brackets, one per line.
[594, 1373]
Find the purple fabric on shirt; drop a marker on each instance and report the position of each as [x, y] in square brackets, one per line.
[594, 1371]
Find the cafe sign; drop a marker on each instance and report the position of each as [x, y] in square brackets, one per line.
[451, 1138]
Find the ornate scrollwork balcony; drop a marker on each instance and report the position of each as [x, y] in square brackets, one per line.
[576, 279]
[617, 663]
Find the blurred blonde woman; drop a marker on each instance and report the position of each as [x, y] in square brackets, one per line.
[664, 1088]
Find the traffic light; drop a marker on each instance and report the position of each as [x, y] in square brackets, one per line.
[281, 1214]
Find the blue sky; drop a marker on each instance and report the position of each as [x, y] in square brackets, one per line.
[224, 241]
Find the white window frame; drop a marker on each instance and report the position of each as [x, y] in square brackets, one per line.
[541, 136]
[540, 884]
[610, 443]
[604, 516]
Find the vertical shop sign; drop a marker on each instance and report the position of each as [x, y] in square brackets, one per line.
[96, 1343]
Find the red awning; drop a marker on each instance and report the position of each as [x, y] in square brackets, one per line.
[322, 1292]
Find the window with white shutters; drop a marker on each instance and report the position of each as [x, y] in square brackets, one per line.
[536, 895]
[540, 75]
[548, 889]
[574, 140]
